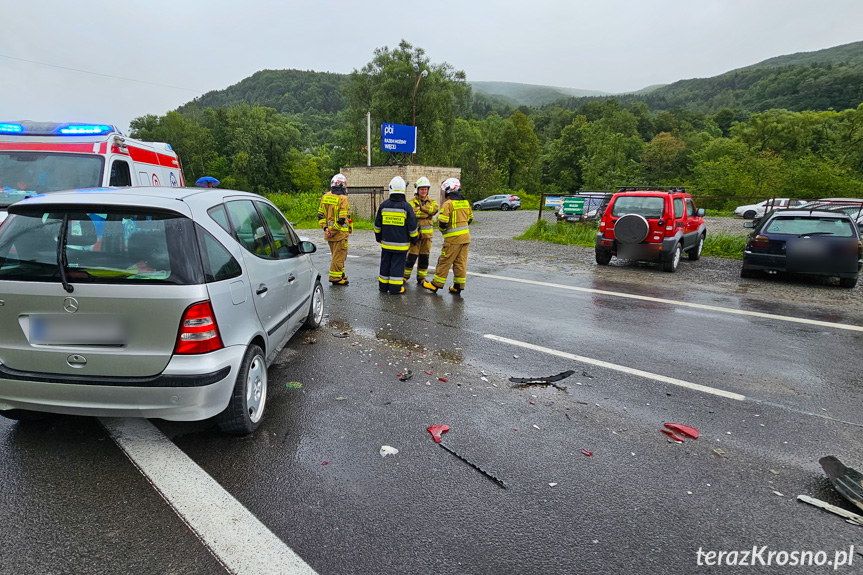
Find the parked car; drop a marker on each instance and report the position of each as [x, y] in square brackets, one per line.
[594, 206]
[158, 302]
[752, 211]
[652, 224]
[498, 202]
[817, 242]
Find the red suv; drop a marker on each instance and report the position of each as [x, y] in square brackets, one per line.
[653, 224]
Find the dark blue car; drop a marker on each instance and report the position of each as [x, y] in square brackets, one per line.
[818, 243]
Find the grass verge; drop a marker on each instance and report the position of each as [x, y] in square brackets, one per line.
[716, 245]
[302, 210]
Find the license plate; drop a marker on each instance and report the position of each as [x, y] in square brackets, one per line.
[79, 330]
[805, 247]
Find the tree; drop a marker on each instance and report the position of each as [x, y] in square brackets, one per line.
[660, 160]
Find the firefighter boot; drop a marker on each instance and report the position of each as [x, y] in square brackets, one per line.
[430, 286]
[455, 290]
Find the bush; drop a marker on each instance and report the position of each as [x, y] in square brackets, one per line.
[579, 234]
[724, 246]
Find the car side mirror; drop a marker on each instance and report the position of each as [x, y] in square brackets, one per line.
[700, 212]
[748, 224]
[308, 248]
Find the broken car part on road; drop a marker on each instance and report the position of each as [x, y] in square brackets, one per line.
[546, 381]
[438, 430]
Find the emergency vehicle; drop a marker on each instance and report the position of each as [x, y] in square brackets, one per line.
[42, 157]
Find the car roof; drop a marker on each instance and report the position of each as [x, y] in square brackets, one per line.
[810, 213]
[159, 197]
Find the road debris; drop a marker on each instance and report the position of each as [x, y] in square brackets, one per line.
[672, 435]
[341, 334]
[779, 494]
[309, 340]
[847, 481]
[552, 484]
[849, 516]
[536, 426]
[718, 452]
[686, 430]
[586, 452]
[388, 450]
[341, 398]
[438, 430]
[544, 381]
[427, 372]
[325, 463]
[773, 471]
[442, 379]
[406, 375]
[294, 385]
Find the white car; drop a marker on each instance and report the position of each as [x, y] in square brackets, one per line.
[752, 211]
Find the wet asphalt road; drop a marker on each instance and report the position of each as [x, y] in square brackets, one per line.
[73, 503]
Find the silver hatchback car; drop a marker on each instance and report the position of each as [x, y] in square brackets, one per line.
[151, 302]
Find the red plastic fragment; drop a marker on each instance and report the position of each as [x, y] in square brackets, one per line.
[325, 463]
[442, 379]
[672, 435]
[427, 372]
[533, 403]
[400, 374]
[586, 452]
[437, 430]
[683, 429]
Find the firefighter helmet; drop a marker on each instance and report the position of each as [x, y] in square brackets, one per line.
[450, 185]
[397, 185]
[339, 182]
[423, 182]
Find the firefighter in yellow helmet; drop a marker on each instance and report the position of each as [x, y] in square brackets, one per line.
[334, 217]
[454, 219]
[396, 230]
[425, 208]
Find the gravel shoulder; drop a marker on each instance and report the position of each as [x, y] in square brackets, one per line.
[494, 248]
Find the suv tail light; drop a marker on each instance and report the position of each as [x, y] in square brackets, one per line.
[761, 242]
[198, 330]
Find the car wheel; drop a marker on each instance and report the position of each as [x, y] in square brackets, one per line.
[316, 308]
[848, 282]
[603, 257]
[671, 265]
[477, 207]
[504, 207]
[24, 415]
[246, 407]
[749, 214]
[695, 252]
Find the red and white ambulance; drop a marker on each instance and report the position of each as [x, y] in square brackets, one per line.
[42, 157]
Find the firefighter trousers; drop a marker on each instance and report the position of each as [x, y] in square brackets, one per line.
[419, 255]
[391, 276]
[455, 256]
[339, 250]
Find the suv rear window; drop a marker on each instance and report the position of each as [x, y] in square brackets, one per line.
[102, 246]
[647, 206]
[797, 226]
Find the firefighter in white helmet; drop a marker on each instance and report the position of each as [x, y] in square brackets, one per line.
[425, 208]
[334, 217]
[453, 221]
[395, 230]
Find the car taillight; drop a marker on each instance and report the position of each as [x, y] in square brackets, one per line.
[860, 250]
[760, 242]
[198, 330]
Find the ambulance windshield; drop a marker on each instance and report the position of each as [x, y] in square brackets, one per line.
[25, 174]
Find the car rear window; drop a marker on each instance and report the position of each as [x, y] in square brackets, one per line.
[647, 206]
[102, 246]
[803, 225]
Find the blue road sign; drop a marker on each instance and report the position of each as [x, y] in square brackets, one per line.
[398, 138]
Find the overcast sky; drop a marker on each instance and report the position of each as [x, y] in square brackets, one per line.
[194, 46]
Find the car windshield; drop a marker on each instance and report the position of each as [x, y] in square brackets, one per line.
[803, 225]
[26, 174]
[102, 246]
[647, 206]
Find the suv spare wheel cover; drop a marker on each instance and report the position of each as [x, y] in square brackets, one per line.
[631, 229]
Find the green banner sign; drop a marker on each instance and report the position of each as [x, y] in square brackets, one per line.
[573, 206]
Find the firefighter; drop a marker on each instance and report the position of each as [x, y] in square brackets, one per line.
[395, 230]
[455, 216]
[334, 218]
[425, 208]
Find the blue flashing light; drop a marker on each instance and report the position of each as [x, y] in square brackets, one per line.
[11, 128]
[85, 129]
[168, 147]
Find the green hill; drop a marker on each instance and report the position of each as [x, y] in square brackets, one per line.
[848, 53]
[517, 94]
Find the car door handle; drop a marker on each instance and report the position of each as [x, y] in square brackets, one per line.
[262, 289]
[291, 278]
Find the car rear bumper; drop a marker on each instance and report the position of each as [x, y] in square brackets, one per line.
[190, 388]
[642, 252]
[778, 263]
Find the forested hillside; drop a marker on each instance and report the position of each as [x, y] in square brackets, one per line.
[791, 131]
[517, 95]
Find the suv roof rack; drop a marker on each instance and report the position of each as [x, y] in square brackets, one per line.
[670, 190]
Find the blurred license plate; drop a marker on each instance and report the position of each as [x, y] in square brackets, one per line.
[80, 330]
[805, 247]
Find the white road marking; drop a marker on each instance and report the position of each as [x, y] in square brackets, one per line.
[232, 534]
[621, 368]
[679, 303]
[350, 256]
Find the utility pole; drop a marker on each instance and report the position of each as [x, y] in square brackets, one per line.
[368, 138]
